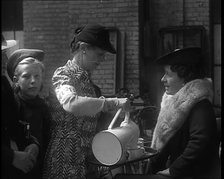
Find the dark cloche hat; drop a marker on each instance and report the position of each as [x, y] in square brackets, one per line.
[96, 35]
[20, 54]
[185, 56]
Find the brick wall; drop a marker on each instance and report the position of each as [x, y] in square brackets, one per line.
[178, 13]
[174, 12]
[46, 27]
[49, 25]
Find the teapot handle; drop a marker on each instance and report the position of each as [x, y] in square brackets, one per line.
[126, 119]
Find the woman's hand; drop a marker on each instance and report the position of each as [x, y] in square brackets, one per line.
[23, 161]
[125, 104]
[116, 103]
[164, 172]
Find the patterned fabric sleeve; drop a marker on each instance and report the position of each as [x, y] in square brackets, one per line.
[65, 81]
[78, 105]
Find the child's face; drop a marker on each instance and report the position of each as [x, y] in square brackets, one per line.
[29, 80]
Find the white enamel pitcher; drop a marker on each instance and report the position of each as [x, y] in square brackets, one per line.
[111, 146]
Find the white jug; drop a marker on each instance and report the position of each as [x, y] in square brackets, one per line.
[112, 146]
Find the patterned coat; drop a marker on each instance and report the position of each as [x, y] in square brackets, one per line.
[70, 144]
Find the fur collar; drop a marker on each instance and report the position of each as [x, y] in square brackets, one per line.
[175, 109]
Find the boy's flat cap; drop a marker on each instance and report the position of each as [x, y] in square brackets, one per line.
[20, 54]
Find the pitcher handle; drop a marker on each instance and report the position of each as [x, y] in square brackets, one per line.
[115, 118]
[126, 119]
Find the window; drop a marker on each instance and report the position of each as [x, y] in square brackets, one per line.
[12, 15]
[181, 37]
[12, 21]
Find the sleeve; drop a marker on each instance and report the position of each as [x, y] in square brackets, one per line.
[200, 130]
[7, 156]
[72, 102]
[8, 113]
[78, 105]
[158, 162]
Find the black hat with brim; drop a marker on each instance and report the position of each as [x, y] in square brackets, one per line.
[20, 54]
[96, 35]
[185, 56]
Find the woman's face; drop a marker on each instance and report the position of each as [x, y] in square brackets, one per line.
[29, 79]
[92, 58]
[172, 82]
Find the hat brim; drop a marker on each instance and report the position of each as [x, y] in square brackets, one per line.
[9, 44]
[109, 48]
[185, 56]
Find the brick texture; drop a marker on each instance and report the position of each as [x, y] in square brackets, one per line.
[49, 25]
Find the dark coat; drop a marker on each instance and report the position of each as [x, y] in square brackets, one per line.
[194, 149]
[10, 129]
[35, 112]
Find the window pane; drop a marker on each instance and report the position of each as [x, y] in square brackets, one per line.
[12, 15]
